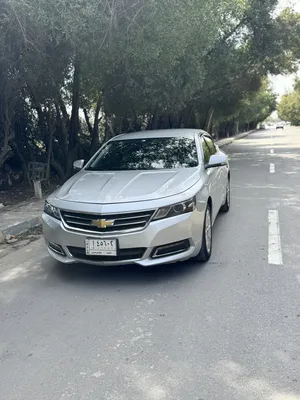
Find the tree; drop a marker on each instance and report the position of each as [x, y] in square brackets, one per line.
[257, 107]
[289, 107]
[74, 74]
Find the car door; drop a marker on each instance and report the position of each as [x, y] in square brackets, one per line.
[221, 173]
[211, 178]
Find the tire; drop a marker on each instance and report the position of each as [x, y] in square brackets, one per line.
[206, 249]
[226, 206]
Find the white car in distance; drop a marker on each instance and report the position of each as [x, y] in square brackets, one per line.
[280, 125]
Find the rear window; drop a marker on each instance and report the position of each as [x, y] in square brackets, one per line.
[146, 154]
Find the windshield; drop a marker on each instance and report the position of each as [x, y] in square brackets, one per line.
[146, 154]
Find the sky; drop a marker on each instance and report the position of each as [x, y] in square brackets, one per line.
[284, 84]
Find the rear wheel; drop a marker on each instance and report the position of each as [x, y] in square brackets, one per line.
[205, 252]
[226, 206]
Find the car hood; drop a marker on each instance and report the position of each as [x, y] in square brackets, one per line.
[126, 186]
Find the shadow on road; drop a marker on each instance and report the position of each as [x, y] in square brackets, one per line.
[124, 275]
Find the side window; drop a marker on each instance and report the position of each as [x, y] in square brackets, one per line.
[206, 151]
[210, 145]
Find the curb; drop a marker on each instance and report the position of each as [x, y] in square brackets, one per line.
[22, 227]
[228, 141]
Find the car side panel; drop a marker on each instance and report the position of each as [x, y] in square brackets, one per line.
[219, 182]
[210, 178]
[223, 178]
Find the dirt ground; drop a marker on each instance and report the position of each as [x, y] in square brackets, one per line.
[21, 193]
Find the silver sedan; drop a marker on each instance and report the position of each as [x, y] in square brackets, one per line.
[147, 198]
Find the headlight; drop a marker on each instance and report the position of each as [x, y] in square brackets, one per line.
[51, 210]
[177, 209]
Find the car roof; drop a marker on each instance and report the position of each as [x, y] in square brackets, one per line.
[163, 133]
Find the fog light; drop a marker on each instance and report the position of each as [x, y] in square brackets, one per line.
[171, 249]
[56, 248]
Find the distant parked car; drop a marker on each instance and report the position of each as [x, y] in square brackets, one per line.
[262, 126]
[144, 198]
[280, 125]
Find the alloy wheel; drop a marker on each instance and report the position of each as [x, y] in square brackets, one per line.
[208, 230]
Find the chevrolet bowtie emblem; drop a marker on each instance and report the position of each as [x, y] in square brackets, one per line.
[102, 223]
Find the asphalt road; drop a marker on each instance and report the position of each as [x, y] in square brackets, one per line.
[229, 329]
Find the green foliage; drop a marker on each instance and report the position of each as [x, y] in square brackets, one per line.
[75, 73]
[289, 107]
[258, 106]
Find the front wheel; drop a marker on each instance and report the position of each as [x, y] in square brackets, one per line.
[205, 252]
[226, 206]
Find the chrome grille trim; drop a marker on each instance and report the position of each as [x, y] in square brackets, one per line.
[123, 222]
[107, 216]
[144, 221]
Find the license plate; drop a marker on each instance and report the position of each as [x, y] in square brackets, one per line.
[101, 247]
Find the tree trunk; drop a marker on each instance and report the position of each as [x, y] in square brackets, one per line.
[136, 123]
[151, 122]
[95, 144]
[5, 148]
[87, 120]
[23, 162]
[8, 135]
[58, 169]
[62, 127]
[236, 128]
[49, 151]
[210, 119]
[190, 116]
[74, 122]
[179, 122]
[109, 131]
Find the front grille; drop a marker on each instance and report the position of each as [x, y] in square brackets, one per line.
[123, 254]
[115, 222]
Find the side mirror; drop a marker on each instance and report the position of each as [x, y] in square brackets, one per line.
[78, 165]
[217, 160]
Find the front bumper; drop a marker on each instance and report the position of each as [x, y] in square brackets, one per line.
[186, 228]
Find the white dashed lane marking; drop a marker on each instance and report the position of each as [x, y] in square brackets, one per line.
[272, 169]
[272, 151]
[274, 250]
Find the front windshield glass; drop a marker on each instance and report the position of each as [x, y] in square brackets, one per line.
[146, 154]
